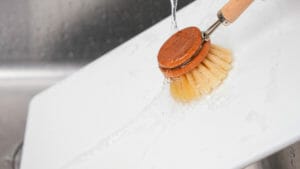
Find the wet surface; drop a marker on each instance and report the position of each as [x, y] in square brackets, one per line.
[41, 42]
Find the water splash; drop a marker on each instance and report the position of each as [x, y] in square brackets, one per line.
[173, 14]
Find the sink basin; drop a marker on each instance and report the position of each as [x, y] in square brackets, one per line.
[41, 42]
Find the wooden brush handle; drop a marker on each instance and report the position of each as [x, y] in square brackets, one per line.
[234, 8]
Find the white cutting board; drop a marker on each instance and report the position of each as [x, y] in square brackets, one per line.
[116, 113]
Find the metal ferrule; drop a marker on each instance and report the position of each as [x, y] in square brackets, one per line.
[210, 30]
[223, 19]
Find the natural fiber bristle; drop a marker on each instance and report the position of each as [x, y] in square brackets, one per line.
[204, 78]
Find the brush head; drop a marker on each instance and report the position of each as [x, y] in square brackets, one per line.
[182, 52]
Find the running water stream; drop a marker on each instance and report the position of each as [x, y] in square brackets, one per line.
[173, 14]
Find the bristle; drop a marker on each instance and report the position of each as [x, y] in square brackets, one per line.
[223, 53]
[207, 76]
[214, 69]
[175, 88]
[201, 82]
[217, 60]
[192, 83]
[224, 50]
[189, 93]
[213, 81]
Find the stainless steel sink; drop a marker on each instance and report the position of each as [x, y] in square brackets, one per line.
[42, 42]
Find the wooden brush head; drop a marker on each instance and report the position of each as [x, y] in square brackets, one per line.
[182, 52]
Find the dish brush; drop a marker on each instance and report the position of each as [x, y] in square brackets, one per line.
[193, 64]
